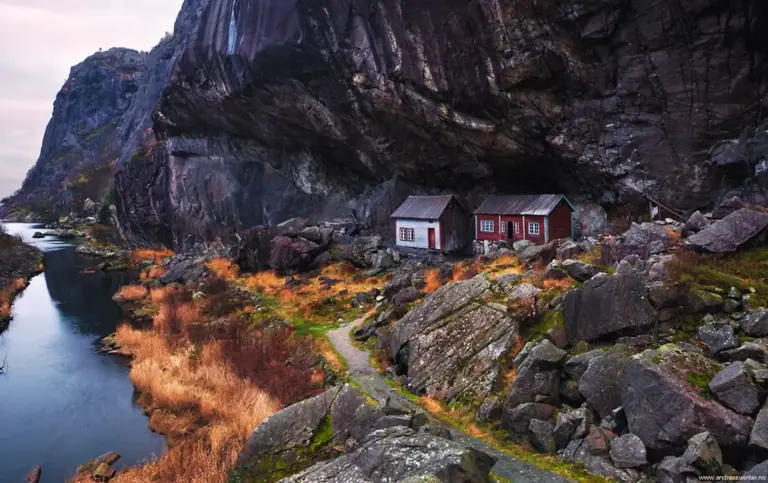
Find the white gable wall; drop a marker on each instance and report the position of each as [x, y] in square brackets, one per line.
[421, 237]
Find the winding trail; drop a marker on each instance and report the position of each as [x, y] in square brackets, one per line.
[361, 372]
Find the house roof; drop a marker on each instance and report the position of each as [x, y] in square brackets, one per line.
[423, 207]
[535, 205]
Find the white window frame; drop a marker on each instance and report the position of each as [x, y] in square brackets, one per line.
[407, 234]
[487, 226]
[517, 227]
[532, 225]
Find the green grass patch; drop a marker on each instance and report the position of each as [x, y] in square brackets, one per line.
[718, 273]
[548, 321]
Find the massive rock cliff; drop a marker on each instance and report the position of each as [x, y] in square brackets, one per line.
[102, 116]
[612, 99]
[276, 108]
[83, 133]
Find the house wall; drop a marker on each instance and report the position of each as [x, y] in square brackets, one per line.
[420, 234]
[511, 235]
[541, 237]
[489, 236]
[561, 222]
[523, 220]
[454, 232]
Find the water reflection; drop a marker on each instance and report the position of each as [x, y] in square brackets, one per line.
[62, 403]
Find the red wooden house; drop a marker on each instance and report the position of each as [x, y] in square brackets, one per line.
[538, 218]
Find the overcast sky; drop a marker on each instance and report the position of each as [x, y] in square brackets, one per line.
[39, 41]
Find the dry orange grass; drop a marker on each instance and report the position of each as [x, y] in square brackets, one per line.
[156, 271]
[330, 356]
[312, 293]
[6, 296]
[267, 282]
[131, 293]
[224, 269]
[563, 283]
[432, 281]
[156, 255]
[676, 236]
[172, 318]
[5, 306]
[161, 295]
[207, 384]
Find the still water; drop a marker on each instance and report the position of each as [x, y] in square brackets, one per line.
[61, 402]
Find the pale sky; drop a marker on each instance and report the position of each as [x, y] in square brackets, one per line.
[39, 41]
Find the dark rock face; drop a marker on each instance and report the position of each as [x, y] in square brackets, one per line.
[601, 382]
[538, 377]
[452, 343]
[605, 305]
[703, 454]
[628, 451]
[759, 436]
[351, 94]
[517, 419]
[717, 337]
[755, 324]
[579, 271]
[664, 407]
[735, 387]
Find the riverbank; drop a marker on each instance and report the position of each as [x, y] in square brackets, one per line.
[19, 262]
[206, 374]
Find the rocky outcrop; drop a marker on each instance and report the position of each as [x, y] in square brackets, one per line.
[339, 436]
[737, 230]
[451, 345]
[401, 454]
[662, 396]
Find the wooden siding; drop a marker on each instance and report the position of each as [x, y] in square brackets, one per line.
[561, 222]
[420, 231]
[507, 235]
[454, 227]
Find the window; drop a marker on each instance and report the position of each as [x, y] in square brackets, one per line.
[533, 228]
[502, 227]
[517, 227]
[486, 226]
[407, 234]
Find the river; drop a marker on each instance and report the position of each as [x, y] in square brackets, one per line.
[61, 402]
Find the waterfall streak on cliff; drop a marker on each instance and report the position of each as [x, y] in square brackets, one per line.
[232, 42]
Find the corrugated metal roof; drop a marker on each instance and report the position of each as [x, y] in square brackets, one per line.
[423, 207]
[535, 205]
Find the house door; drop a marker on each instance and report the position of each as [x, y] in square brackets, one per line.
[510, 230]
[431, 237]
